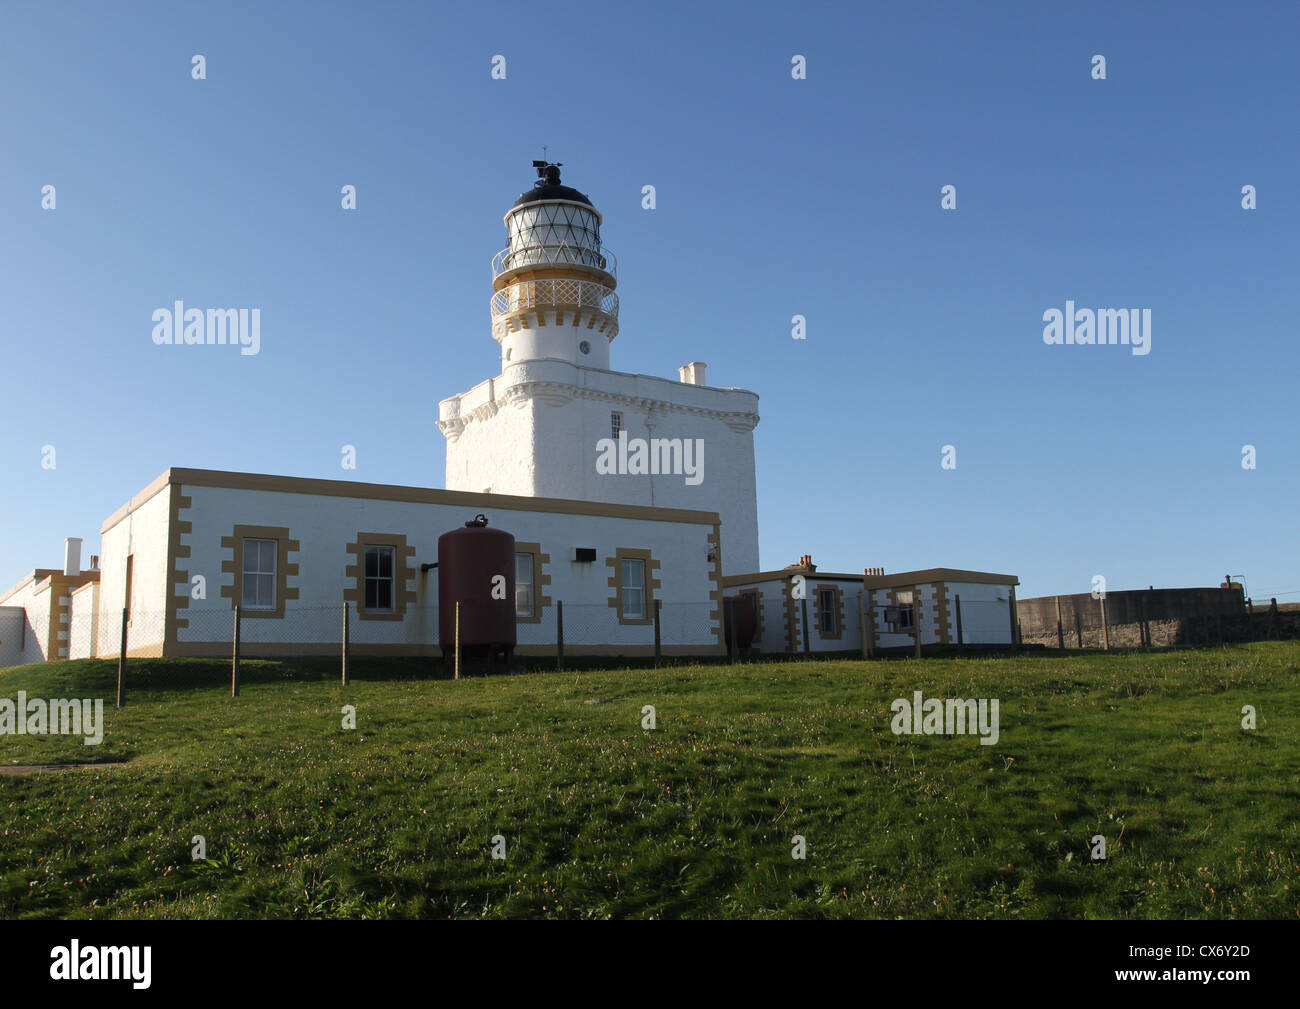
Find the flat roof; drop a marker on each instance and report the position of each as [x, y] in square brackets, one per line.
[937, 575]
[879, 581]
[784, 573]
[395, 492]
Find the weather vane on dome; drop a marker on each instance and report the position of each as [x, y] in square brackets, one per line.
[548, 173]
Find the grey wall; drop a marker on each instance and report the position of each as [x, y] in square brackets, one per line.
[1038, 615]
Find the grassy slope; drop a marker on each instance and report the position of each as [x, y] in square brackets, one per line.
[694, 819]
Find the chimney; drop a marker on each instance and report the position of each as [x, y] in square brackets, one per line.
[94, 562]
[693, 373]
[72, 555]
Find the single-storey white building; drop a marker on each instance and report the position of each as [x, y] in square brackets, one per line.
[802, 609]
[180, 554]
[951, 606]
[821, 610]
[50, 613]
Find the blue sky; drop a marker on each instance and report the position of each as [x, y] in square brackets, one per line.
[775, 197]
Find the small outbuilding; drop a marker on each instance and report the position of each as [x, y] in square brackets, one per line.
[802, 609]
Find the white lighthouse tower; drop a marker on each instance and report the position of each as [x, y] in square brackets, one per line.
[558, 422]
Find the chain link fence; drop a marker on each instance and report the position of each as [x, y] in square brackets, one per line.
[656, 628]
[590, 628]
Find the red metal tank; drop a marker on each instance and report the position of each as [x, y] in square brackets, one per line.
[476, 568]
[739, 618]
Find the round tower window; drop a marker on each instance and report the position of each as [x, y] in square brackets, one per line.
[585, 347]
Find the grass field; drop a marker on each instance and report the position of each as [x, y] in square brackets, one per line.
[601, 818]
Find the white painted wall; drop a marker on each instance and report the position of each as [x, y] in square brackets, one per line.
[563, 343]
[772, 638]
[83, 636]
[851, 635]
[534, 431]
[324, 526]
[985, 613]
[143, 534]
[12, 619]
[28, 644]
[887, 639]
[985, 619]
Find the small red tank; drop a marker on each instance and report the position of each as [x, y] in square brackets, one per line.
[476, 568]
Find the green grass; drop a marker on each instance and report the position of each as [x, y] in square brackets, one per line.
[694, 819]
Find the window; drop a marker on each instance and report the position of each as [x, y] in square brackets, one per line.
[900, 614]
[828, 612]
[531, 581]
[259, 568]
[524, 586]
[379, 578]
[259, 574]
[633, 585]
[615, 424]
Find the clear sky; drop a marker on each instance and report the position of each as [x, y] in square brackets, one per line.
[775, 197]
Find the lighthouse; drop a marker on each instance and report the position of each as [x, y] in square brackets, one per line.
[553, 284]
[559, 422]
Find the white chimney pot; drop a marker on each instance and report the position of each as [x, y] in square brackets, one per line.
[693, 373]
[72, 555]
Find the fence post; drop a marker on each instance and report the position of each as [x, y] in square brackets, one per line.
[803, 611]
[1060, 628]
[658, 646]
[1078, 627]
[1105, 625]
[961, 639]
[862, 627]
[559, 636]
[234, 657]
[121, 663]
[1015, 621]
[1144, 631]
[347, 641]
[916, 619]
[1272, 618]
[457, 644]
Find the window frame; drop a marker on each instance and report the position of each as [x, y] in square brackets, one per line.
[527, 584]
[402, 575]
[273, 551]
[836, 610]
[627, 589]
[381, 550]
[541, 579]
[650, 584]
[284, 568]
